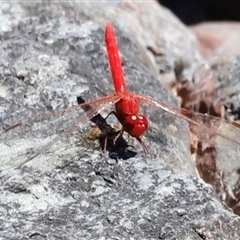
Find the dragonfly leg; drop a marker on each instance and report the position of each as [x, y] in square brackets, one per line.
[143, 145]
[118, 134]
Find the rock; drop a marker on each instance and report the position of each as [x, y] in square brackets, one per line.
[217, 39]
[56, 68]
[213, 88]
[50, 54]
[94, 198]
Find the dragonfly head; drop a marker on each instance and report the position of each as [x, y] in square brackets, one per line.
[135, 125]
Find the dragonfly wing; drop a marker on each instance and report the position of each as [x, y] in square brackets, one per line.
[37, 137]
[8, 124]
[204, 126]
[217, 146]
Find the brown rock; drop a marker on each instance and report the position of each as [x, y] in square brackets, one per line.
[218, 39]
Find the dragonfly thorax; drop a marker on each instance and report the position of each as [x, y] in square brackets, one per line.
[135, 125]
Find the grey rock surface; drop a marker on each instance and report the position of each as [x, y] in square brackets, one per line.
[56, 65]
[50, 54]
[96, 198]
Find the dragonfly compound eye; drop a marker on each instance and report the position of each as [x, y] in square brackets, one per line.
[135, 125]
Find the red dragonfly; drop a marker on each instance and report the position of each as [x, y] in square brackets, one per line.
[127, 112]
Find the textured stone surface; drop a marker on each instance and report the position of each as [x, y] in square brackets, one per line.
[50, 54]
[141, 198]
[55, 66]
[218, 39]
